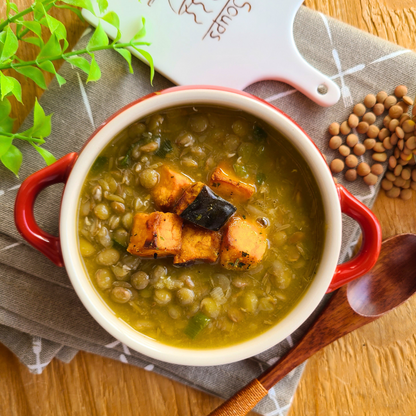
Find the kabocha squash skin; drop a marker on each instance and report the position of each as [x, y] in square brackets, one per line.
[201, 206]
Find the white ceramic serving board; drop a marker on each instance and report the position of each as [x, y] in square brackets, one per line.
[231, 43]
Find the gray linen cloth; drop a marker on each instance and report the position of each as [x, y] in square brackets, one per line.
[40, 314]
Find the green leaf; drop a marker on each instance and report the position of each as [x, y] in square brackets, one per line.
[127, 56]
[95, 72]
[10, 44]
[5, 109]
[5, 143]
[34, 41]
[6, 85]
[56, 27]
[73, 9]
[113, 19]
[41, 123]
[38, 11]
[48, 157]
[142, 32]
[99, 38]
[12, 159]
[12, 6]
[6, 122]
[85, 4]
[34, 74]
[102, 5]
[17, 89]
[51, 49]
[149, 59]
[79, 62]
[35, 27]
[48, 67]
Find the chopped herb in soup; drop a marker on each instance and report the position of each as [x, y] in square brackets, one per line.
[200, 227]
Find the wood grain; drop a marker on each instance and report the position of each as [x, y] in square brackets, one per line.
[371, 372]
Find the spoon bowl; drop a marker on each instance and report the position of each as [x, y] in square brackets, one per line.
[391, 282]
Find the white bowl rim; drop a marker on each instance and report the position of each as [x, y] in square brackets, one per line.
[199, 95]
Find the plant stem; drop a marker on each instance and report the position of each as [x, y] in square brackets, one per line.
[21, 137]
[69, 54]
[15, 17]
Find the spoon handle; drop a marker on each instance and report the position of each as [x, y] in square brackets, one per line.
[336, 320]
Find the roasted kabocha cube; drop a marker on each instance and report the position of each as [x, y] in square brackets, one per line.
[198, 244]
[228, 185]
[171, 186]
[155, 235]
[201, 206]
[243, 245]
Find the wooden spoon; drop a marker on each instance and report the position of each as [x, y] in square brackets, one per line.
[390, 283]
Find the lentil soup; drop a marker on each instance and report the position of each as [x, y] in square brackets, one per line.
[200, 227]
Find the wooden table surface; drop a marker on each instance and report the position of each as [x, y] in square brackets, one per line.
[369, 372]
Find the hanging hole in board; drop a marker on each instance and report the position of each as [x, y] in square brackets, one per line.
[322, 89]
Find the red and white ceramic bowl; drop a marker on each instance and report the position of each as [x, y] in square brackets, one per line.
[73, 168]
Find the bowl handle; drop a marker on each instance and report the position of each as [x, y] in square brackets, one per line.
[24, 217]
[367, 257]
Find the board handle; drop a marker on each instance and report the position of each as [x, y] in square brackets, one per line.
[311, 82]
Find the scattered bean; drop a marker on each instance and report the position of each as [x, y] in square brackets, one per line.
[373, 132]
[377, 169]
[379, 157]
[381, 96]
[399, 132]
[392, 162]
[362, 127]
[351, 175]
[345, 128]
[398, 170]
[335, 142]
[363, 169]
[359, 110]
[344, 150]
[379, 148]
[406, 194]
[387, 143]
[411, 143]
[390, 176]
[369, 118]
[352, 140]
[378, 109]
[407, 100]
[369, 143]
[351, 161]
[337, 165]
[370, 101]
[400, 91]
[396, 111]
[408, 126]
[394, 192]
[383, 133]
[353, 121]
[390, 101]
[370, 179]
[359, 149]
[386, 184]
